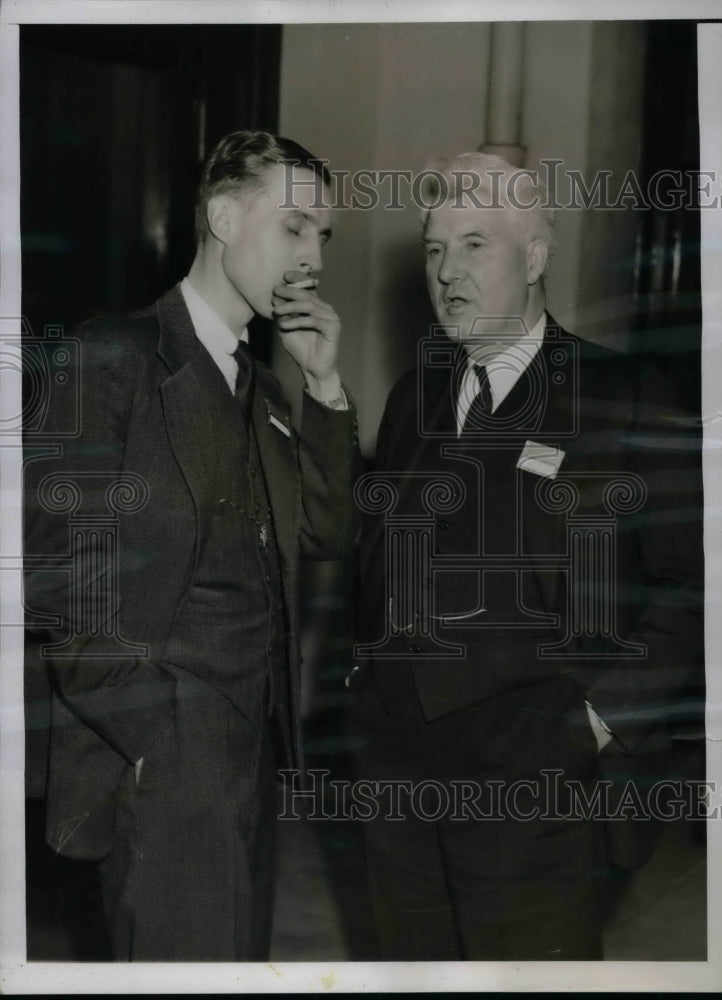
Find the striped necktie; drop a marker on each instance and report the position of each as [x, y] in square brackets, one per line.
[477, 419]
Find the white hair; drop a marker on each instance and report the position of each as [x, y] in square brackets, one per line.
[501, 184]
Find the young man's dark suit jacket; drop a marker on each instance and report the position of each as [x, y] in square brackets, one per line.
[149, 397]
[608, 417]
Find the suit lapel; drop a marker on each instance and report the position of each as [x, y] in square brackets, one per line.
[189, 397]
[438, 404]
[192, 395]
[435, 416]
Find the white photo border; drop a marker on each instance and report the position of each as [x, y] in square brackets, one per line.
[17, 976]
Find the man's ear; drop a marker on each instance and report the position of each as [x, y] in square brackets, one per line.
[537, 254]
[220, 217]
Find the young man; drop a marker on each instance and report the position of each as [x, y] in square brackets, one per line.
[174, 664]
[531, 602]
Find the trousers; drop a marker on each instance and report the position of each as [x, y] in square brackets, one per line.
[477, 856]
[191, 871]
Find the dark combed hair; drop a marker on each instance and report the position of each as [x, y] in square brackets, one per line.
[238, 162]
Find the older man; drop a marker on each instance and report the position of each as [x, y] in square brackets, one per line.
[530, 601]
[172, 647]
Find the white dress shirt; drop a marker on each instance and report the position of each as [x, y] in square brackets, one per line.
[504, 370]
[215, 335]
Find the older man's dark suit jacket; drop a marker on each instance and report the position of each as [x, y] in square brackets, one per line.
[149, 393]
[609, 419]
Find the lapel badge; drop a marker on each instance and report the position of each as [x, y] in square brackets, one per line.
[541, 459]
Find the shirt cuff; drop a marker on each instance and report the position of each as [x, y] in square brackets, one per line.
[339, 403]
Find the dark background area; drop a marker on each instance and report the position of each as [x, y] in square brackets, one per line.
[666, 270]
[116, 121]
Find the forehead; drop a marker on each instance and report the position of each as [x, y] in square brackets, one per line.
[459, 215]
[295, 189]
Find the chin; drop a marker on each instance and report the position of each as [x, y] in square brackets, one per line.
[264, 309]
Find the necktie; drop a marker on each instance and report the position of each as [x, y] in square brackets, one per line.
[245, 379]
[477, 419]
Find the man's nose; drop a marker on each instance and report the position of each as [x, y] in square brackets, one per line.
[449, 268]
[311, 258]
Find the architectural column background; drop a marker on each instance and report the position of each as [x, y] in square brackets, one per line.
[390, 96]
[506, 83]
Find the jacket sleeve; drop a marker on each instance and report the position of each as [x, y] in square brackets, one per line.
[329, 461]
[74, 563]
[634, 695]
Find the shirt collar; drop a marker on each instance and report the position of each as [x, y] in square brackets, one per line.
[504, 370]
[525, 346]
[215, 335]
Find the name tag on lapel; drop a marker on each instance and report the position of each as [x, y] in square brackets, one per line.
[541, 459]
[277, 422]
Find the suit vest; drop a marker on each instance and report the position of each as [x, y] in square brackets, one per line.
[230, 629]
[501, 641]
